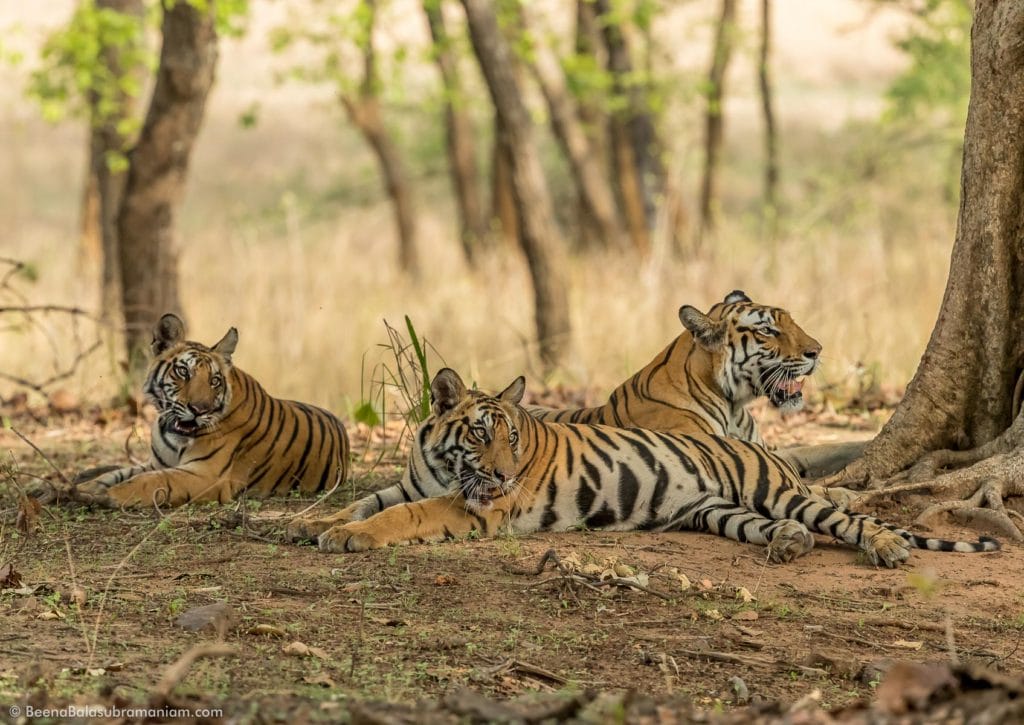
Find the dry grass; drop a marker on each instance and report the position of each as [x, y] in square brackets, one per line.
[285, 235]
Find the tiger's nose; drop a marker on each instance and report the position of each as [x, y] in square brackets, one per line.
[813, 351]
[200, 409]
[502, 477]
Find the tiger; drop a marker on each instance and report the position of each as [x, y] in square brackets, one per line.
[703, 381]
[219, 434]
[499, 465]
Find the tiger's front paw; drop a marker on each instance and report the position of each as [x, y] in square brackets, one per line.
[348, 538]
[306, 529]
[888, 549]
[789, 541]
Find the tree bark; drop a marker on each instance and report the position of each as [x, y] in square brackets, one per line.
[363, 109]
[158, 165]
[104, 186]
[636, 151]
[595, 194]
[541, 242]
[462, 162]
[713, 125]
[770, 207]
[503, 203]
[963, 392]
[364, 113]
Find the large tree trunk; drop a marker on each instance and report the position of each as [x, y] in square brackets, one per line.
[462, 162]
[363, 109]
[158, 165]
[595, 194]
[713, 126]
[540, 239]
[770, 207]
[104, 185]
[963, 393]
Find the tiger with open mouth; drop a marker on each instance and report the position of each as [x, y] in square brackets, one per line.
[219, 434]
[703, 381]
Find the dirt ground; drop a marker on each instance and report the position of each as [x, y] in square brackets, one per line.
[91, 609]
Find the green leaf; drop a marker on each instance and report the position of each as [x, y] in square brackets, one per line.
[365, 413]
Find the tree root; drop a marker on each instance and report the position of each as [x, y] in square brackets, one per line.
[973, 495]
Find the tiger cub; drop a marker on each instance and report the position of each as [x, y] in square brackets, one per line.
[219, 434]
[501, 466]
[705, 379]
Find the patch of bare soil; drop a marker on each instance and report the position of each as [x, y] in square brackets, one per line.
[97, 607]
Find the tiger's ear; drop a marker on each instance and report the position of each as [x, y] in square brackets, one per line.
[737, 295]
[228, 343]
[446, 391]
[514, 392]
[709, 334]
[169, 331]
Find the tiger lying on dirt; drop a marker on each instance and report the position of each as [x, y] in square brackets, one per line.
[487, 462]
[218, 433]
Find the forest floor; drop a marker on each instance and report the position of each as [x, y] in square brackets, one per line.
[91, 602]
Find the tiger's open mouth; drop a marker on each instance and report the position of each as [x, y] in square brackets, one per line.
[188, 428]
[787, 392]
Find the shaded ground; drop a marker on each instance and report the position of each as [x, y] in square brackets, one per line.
[92, 618]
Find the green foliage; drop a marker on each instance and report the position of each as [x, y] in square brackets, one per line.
[936, 85]
[343, 39]
[74, 77]
[421, 358]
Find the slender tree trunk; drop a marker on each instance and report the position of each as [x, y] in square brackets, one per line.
[636, 152]
[503, 203]
[714, 132]
[541, 242]
[462, 162]
[363, 109]
[962, 394]
[364, 113]
[593, 190]
[104, 185]
[771, 160]
[158, 165]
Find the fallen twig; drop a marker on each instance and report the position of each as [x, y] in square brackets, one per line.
[174, 674]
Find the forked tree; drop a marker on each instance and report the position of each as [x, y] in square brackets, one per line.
[958, 431]
[157, 169]
[538, 234]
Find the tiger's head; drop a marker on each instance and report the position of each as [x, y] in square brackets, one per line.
[188, 382]
[473, 438]
[755, 350]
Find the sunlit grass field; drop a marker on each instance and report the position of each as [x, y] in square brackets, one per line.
[285, 234]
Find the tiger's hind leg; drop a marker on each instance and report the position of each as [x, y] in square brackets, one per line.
[785, 539]
[163, 487]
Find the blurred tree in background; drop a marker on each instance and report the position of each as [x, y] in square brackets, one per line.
[95, 67]
[597, 98]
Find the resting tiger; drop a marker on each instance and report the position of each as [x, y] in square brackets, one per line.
[705, 379]
[219, 434]
[500, 465]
